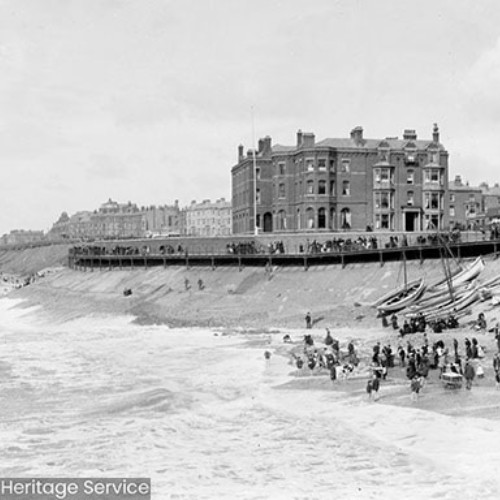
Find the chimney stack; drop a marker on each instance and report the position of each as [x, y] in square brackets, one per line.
[240, 152]
[299, 138]
[267, 145]
[435, 134]
[357, 135]
[409, 135]
[260, 146]
[458, 180]
[308, 139]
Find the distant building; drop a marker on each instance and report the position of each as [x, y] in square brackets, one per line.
[466, 208]
[208, 218]
[115, 220]
[342, 184]
[163, 220]
[22, 237]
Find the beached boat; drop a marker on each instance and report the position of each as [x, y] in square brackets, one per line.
[467, 274]
[401, 298]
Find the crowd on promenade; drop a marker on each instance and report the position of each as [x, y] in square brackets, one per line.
[336, 245]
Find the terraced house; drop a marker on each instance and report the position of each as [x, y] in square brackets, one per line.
[342, 184]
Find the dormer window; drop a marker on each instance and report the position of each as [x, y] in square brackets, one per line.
[411, 158]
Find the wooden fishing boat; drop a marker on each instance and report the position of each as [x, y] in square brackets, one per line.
[401, 298]
[457, 305]
[467, 274]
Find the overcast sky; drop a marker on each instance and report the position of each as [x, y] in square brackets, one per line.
[147, 100]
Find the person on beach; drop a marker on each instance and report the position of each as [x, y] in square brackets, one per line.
[469, 375]
[375, 387]
[415, 387]
[308, 319]
[402, 356]
[187, 285]
[369, 389]
[328, 338]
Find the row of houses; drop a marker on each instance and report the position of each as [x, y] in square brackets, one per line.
[354, 183]
[113, 220]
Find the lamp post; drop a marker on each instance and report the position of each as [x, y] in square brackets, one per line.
[255, 227]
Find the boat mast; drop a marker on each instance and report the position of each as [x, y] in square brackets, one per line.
[447, 273]
[404, 269]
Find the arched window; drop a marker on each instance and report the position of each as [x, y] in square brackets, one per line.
[345, 218]
[321, 218]
[281, 219]
[310, 218]
[333, 216]
[299, 222]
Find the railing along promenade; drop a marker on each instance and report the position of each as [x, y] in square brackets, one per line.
[302, 250]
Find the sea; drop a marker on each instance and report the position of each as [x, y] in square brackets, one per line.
[204, 415]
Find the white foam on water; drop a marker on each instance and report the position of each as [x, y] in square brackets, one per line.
[204, 417]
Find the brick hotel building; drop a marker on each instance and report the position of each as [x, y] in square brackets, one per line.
[341, 184]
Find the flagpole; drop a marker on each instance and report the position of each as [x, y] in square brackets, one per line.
[255, 227]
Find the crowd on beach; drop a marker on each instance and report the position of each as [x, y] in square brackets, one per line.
[456, 365]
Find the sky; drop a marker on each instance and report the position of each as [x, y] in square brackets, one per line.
[147, 101]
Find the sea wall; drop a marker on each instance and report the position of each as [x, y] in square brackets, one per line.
[247, 297]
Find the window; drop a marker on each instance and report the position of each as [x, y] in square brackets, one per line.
[346, 188]
[377, 175]
[410, 177]
[385, 175]
[332, 165]
[472, 197]
[383, 201]
[410, 198]
[345, 218]
[332, 188]
[281, 191]
[281, 168]
[431, 201]
[281, 219]
[346, 166]
[322, 165]
[410, 158]
[257, 173]
[384, 221]
[257, 196]
[322, 187]
[434, 158]
[432, 175]
[452, 211]
[452, 198]
[321, 218]
[310, 164]
[310, 187]
[310, 218]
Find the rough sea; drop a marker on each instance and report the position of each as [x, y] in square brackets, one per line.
[206, 416]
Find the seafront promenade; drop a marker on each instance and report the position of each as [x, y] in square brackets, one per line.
[299, 250]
